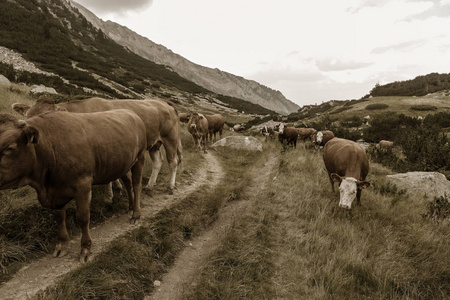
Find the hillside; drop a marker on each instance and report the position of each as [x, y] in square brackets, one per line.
[220, 82]
[76, 58]
[419, 86]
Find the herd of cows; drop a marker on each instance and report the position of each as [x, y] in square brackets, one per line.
[62, 149]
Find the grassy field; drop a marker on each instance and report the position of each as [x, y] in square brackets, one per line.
[296, 244]
[292, 243]
[400, 105]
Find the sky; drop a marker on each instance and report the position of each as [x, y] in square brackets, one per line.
[311, 51]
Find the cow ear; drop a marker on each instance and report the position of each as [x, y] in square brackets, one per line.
[335, 177]
[32, 134]
[20, 108]
[362, 184]
[201, 117]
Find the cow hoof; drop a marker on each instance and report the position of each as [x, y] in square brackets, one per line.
[84, 256]
[170, 191]
[60, 250]
[134, 219]
[147, 191]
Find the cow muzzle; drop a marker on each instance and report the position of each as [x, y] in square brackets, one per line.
[345, 206]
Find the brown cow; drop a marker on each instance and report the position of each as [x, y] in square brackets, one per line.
[305, 133]
[322, 137]
[288, 135]
[198, 127]
[160, 118]
[346, 163]
[61, 155]
[384, 145]
[184, 117]
[215, 124]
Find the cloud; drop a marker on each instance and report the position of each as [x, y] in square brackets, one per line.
[404, 47]
[273, 76]
[367, 4]
[329, 64]
[115, 6]
[440, 9]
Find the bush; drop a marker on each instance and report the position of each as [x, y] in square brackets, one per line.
[423, 107]
[376, 106]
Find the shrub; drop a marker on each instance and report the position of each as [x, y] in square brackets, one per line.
[376, 106]
[423, 107]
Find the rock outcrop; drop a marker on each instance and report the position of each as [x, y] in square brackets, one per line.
[239, 142]
[420, 185]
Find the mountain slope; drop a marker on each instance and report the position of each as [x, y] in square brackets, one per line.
[212, 79]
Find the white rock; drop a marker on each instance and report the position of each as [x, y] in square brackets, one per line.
[239, 142]
[4, 81]
[157, 283]
[419, 185]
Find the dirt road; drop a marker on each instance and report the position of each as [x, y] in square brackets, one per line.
[44, 272]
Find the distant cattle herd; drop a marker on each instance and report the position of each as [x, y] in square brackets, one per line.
[62, 149]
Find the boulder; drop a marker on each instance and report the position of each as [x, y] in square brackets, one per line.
[4, 81]
[239, 142]
[38, 89]
[421, 185]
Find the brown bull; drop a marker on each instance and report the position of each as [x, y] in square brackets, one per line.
[215, 124]
[347, 164]
[61, 155]
[198, 127]
[160, 118]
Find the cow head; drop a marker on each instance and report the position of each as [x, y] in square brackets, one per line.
[319, 137]
[43, 104]
[348, 187]
[195, 119]
[17, 156]
[281, 128]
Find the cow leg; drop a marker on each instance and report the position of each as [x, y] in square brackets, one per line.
[136, 178]
[332, 182]
[116, 185]
[173, 159]
[108, 192]
[83, 202]
[157, 159]
[127, 182]
[63, 236]
[358, 197]
[204, 144]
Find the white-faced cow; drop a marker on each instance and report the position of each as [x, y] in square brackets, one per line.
[215, 124]
[61, 155]
[322, 137]
[159, 116]
[267, 131]
[198, 127]
[347, 164]
[288, 135]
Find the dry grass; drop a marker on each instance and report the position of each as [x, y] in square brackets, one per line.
[128, 267]
[400, 105]
[310, 249]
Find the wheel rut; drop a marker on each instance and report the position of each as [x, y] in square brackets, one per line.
[194, 257]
